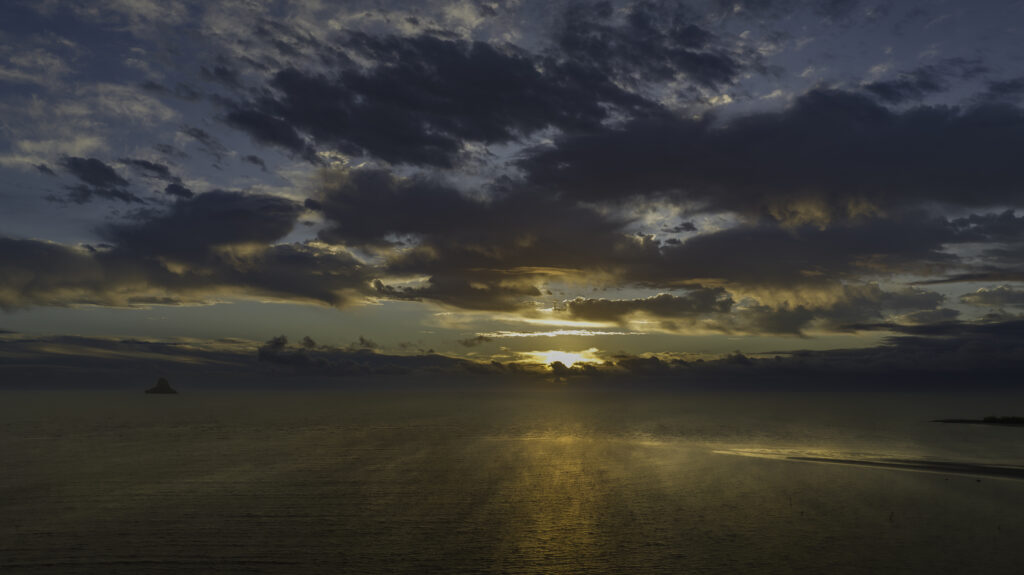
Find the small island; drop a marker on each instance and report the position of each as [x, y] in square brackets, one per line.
[990, 420]
[162, 386]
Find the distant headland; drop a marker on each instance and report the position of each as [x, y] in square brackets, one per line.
[162, 386]
[990, 420]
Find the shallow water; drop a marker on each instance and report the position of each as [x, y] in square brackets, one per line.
[559, 481]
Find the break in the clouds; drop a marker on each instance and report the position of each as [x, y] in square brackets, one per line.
[675, 172]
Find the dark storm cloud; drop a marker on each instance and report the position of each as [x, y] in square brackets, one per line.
[170, 151]
[93, 172]
[180, 90]
[989, 274]
[657, 42]
[98, 180]
[256, 161]
[998, 296]
[151, 169]
[268, 129]
[209, 143]
[423, 96]
[831, 152]
[1003, 227]
[178, 191]
[917, 84]
[44, 169]
[35, 273]
[696, 302]
[766, 255]
[453, 232]
[217, 218]
[83, 194]
[215, 243]
[911, 86]
[931, 316]
[831, 10]
[683, 227]
[491, 252]
[222, 73]
[1009, 91]
[463, 293]
[366, 205]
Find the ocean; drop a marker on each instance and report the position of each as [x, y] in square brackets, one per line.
[559, 480]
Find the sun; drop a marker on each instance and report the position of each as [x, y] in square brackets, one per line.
[568, 358]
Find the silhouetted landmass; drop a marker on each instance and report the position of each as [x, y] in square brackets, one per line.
[990, 420]
[162, 386]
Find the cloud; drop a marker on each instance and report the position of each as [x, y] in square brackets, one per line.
[931, 316]
[151, 169]
[950, 355]
[1009, 91]
[358, 360]
[217, 243]
[421, 97]
[33, 66]
[1003, 227]
[463, 293]
[98, 180]
[654, 42]
[256, 161]
[81, 194]
[833, 309]
[473, 249]
[39, 273]
[177, 190]
[475, 341]
[830, 9]
[697, 302]
[831, 155]
[124, 103]
[493, 252]
[921, 82]
[209, 143]
[207, 221]
[268, 129]
[767, 255]
[44, 273]
[89, 362]
[93, 172]
[998, 296]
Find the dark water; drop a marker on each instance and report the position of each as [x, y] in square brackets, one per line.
[556, 481]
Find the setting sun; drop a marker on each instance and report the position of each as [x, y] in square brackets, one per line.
[568, 358]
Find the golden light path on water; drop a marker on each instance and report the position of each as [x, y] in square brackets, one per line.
[548, 480]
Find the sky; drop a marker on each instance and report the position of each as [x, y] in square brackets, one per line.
[635, 186]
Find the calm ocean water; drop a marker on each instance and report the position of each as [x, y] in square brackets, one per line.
[559, 481]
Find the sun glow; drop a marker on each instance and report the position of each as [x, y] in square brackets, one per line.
[568, 358]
